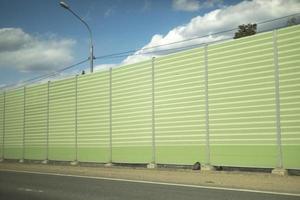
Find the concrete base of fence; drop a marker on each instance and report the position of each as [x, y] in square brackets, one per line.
[75, 162]
[152, 166]
[45, 162]
[280, 171]
[21, 161]
[1, 159]
[207, 168]
[108, 164]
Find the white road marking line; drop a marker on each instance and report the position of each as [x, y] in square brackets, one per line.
[30, 190]
[156, 183]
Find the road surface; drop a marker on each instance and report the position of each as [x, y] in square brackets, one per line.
[31, 186]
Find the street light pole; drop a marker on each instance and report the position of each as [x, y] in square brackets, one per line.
[91, 57]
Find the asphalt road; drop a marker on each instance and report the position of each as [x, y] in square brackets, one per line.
[19, 185]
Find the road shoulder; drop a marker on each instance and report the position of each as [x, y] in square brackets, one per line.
[235, 180]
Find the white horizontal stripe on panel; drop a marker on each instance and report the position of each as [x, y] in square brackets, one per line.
[133, 129]
[136, 114]
[241, 134]
[262, 95]
[251, 48]
[132, 94]
[181, 82]
[234, 78]
[131, 111]
[263, 57]
[266, 106]
[129, 142]
[196, 107]
[168, 94]
[135, 105]
[115, 135]
[264, 112]
[245, 128]
[188, 66]
[93, 139]
[258, 101]
[132, 76]
[179, 141]
[196, 52]
[240, 86]
[131, 138]
[258, 63]
[242, 41]
[236, 57]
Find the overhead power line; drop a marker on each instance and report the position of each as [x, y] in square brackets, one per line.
[45, 76]
[144, 51]
[126, 53]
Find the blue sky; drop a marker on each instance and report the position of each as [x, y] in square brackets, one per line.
[38, 36]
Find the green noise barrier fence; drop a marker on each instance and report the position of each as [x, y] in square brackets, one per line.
[235, 103]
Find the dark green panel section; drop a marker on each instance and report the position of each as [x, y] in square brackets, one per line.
[14, 123]
[93, 154]
[252, 155]
[291, 158]
[289, 66]
[60, 152]
[132, 113]
[62, 120]
[181, 155]
[241, 95]
[36, 122]
[93, 117]
[180, 107]
[131, 154]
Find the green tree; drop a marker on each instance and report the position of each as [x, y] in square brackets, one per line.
[245, 30]
[292, 21]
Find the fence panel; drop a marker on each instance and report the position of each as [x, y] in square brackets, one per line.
[166, 98]
[180, 108]
[1, 122]
[62, 120]
[242, 110]
[36, 122]
[93, 117]
[14, 123]
[288, 41]
[132, 113]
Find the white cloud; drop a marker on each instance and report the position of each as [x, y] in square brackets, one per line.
[109, 12]
[218, 20]
[147, 5]
[104, 67]
[186, 5]
[26, 52]
[194, 5]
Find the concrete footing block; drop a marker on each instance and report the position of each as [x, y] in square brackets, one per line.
[45, 162]
[21, 161]
[108, 164]
[280, 171]
[74, 163]
[208, 168]
[152, 166]
[1, 159]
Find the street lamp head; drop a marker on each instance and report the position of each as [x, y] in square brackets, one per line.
[64, 5]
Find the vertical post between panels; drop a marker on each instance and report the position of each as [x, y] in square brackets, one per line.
[207, 142]
[277, 101]
[153, 112]
[76, 118]
[24, 125]
[110, 115]
[47, 122]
